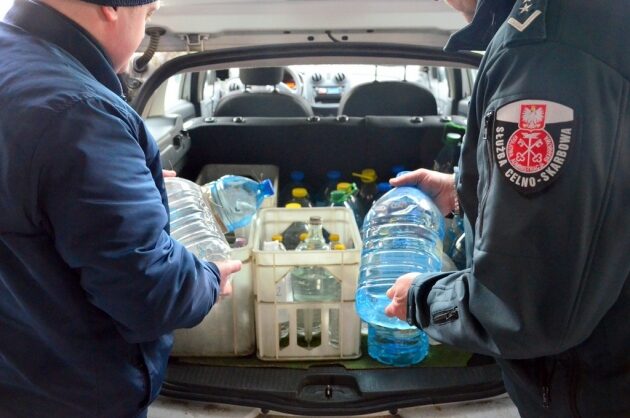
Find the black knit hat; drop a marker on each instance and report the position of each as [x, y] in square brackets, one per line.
[121, 3]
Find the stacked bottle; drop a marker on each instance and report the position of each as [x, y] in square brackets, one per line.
[351, 201]
[368, 189]
[296, 180]
[314, 284]
[333, 177]
[402, 233]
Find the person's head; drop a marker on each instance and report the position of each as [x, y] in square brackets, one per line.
[466, 7]
[118, 25]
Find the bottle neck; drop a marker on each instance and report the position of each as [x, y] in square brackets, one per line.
[315, 239]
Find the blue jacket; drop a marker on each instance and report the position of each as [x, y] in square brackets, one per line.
[91, 284]
[545, 186]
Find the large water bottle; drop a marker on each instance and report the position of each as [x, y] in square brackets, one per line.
[234, 200]
[192, 223]
[402, 233]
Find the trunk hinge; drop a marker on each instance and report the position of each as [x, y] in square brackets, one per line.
[194, 41]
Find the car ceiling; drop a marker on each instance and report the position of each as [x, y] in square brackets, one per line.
[230, 23]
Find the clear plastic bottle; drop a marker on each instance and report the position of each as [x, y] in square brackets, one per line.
[350, 189]
[313, 284]
[192, 222]
[234, 200]
[402, 233]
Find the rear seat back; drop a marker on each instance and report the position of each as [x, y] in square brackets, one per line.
[316, 146]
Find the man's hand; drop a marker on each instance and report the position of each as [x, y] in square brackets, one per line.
[398, 294]
[227, 268]
[169, 173]
[439, 186]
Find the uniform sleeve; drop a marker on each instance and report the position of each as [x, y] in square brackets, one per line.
[108, 222]
[546, 265]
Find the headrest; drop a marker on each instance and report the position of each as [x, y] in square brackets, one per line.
[269, 76]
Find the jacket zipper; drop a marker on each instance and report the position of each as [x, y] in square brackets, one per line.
[446, 316]
[488, 123]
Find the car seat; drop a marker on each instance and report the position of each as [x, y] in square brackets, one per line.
[388, 98]
[256, 103]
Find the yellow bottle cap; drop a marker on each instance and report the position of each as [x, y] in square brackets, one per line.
[303, 236]
[333, 237]
[299, 192]
[367, 175]
[293, 205]
[276, 237]
[343, 186]
[339, 247]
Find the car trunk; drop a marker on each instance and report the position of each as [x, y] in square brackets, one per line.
[315, 145]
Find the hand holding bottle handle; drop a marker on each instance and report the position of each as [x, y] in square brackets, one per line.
[398, 295]
[439, 186]
[227, 268]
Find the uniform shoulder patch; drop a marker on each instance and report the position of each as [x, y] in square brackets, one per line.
[531, 142]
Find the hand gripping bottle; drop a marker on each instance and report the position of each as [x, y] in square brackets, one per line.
[402, 233]
[201, 215]
[192, 222]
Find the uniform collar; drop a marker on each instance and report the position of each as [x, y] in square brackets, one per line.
[489, 16]
[48, 24]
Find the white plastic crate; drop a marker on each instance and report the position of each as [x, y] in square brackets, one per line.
[270, 269]
[257, 172]
[228, 330]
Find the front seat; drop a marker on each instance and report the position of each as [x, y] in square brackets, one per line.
[388, 98]
[250, 103]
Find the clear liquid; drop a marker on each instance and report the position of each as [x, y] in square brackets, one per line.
[401, 234]
[315, 284]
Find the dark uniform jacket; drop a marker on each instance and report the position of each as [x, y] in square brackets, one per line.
[91, 284]
[545, 186]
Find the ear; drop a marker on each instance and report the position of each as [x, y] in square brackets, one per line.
[109, 13]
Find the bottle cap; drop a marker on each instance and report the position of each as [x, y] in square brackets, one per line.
[276, 237]
[367, 175]
[339, 247]
[303, 236]
[453, 138]
[293, 205]
[333, 237]
[383, 187]
[397, 169]
[297, 175]
[315, 220]
[338, 196]
[299, 192]
[266, 188]
[333, 174]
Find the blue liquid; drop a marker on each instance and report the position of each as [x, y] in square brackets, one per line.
[402, 233]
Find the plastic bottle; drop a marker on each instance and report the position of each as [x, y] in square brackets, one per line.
[402, 233]
[297, 180]
[300, 195]
[323, 197]
[313, 284]
[351, 201]
[368, 189]
[234, 200]
[382, 188]
[291, 235]
[192, 223]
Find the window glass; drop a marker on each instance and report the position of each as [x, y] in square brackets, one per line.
[173, 91]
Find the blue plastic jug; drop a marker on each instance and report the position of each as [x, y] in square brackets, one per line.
[402, 233]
